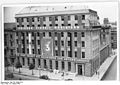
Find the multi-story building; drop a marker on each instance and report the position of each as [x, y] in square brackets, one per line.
[9, 38]
[65, 40]
[113, 26]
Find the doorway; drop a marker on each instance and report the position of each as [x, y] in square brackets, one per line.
[80, 70]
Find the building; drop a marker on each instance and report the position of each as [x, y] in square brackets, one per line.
[113, 32]
[9, 38]
[65, 40]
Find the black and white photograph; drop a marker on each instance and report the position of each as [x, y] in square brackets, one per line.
[60, 42]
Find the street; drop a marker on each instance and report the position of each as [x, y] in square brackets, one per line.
[111, 73]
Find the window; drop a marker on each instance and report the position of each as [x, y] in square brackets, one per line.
[27, 42]
[49, 34]
[38, 51]
[50, 64]
[83, 17]
[62, 18]
[27, 19]
[32, 33]
[83, 34]
[62, 53]
[28, 26]
[75, 34]
[69, 44]
[33, 61]
[63, 65]
[56, 24]
[18, 26]
[76, 17]
[56, 53]
[32, 41]
[17, 19]
[76, 24]
[28, 61]
[56, 18]
[83, 44]
[50, 24]
[55, 33]
[27, 51]
[69, 66]
[56, 63]
[55, 42]
[83, 54]
[38, 19]
[75, 43]
[62, 43]
[44, 25]
[32, 19]
[62, 24]
[68, 17]
[38, 42]
[45, 65]
[50, 18]
[38, 34]
[62, 34]
[38, 62]
[68, 34]
[69, 54]
[43, 18]
[33, 51]
[44, 34]
[69, 24]
[22, 25]
[23, 61]
[38, 25]
[75, 54]
[26, 33]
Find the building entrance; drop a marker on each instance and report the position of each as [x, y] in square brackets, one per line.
[80, 70]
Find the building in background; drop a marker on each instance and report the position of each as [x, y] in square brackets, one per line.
[9, 44]
[66, 40]
[113, 32]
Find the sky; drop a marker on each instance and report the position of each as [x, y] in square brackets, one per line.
[104, 9]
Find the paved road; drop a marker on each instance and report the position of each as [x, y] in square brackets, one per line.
[111, 74]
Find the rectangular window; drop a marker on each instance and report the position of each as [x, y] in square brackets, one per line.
[38, 42]
[62, 34]
[44, 25]
[62, 53]
[56, 18]
[63, 65]
[62, 18]
[56, 52]
[55, 43]
[50, 64]
[56, 63]
[75, 54]
[68, 34]
[69, 66]
[49, 34]
[75, 34]
[69, 54]
[44, 34]
[33, 51]
[28, 61]
[28, 26]
[23, 61]
[43, 18]
[83, 44]
[26, 33]
[50, 18]
[50, 24]
[75, 43]
[27, 51]
[38, 34]
[76, 24]
[33, 61]
[68, 17]
[38, 62]
[83, 17]
[32, 41]
[69, 24]
[69, 44]
[83, 34]
[38, 51]
[45, 65]
[83, 54]
[32, 19]
[56, 24]
[76, 17]
[62, 43]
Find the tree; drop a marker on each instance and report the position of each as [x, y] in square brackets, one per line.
[31, 67]
[18, 65]
[7, 64]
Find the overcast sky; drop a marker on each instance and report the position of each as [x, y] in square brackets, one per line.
[104, 10]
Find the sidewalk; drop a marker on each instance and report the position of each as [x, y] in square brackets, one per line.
[103, 68]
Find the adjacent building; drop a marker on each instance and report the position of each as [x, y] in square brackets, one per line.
[66, 40]
[9, 44]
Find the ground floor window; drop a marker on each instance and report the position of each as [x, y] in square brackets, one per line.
[34, 61]
[23, 61]
[63, 65]
[38, 62]
[45, 65]
[50, 64]
[28, 61]
[56, 63]
[69, 66]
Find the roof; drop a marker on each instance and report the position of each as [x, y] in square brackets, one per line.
[51, 10]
